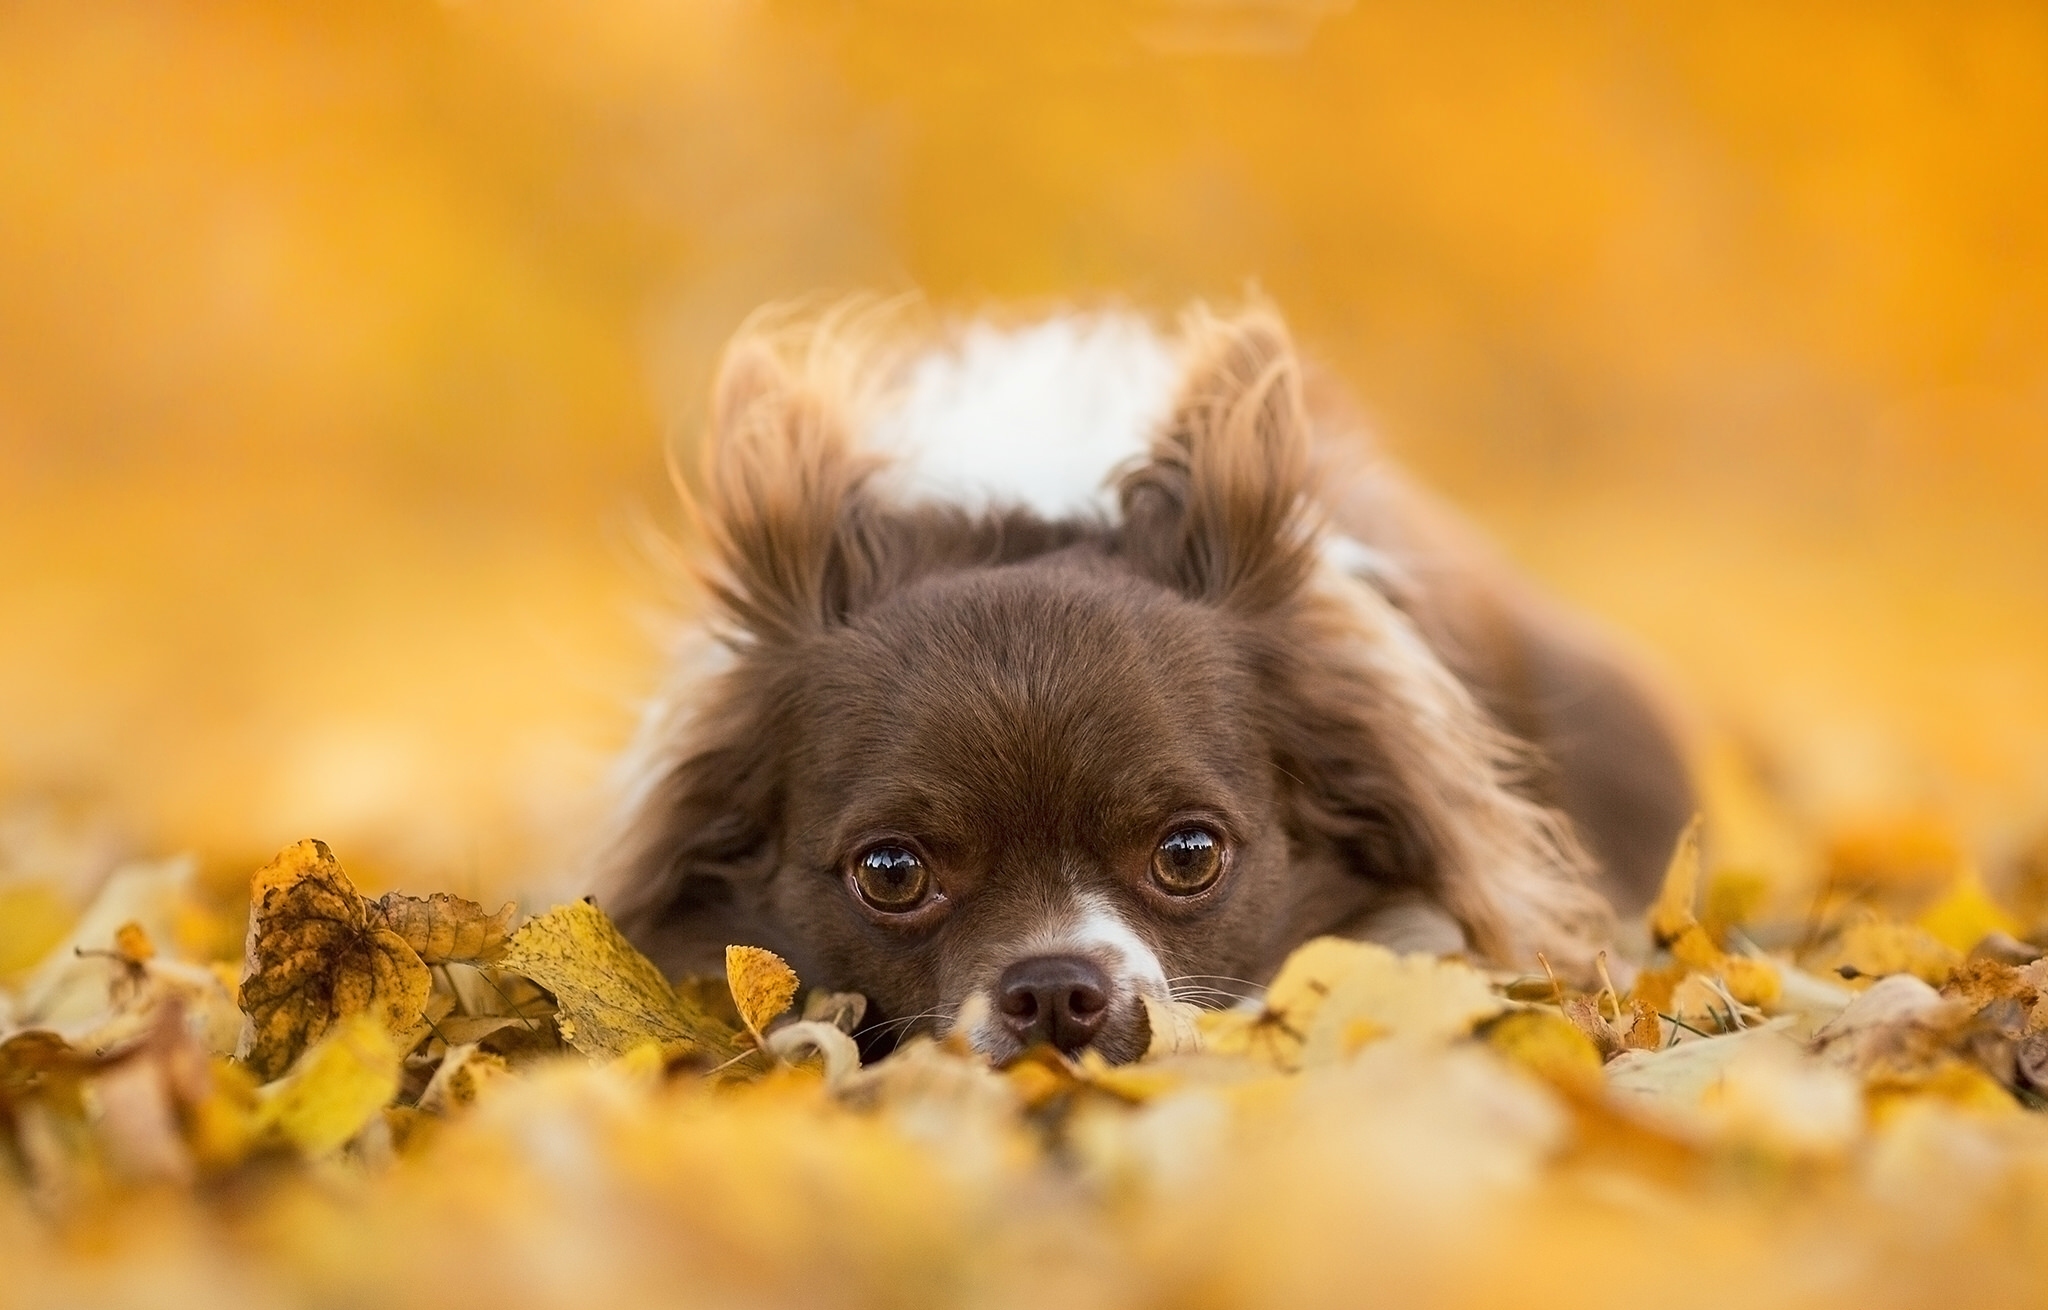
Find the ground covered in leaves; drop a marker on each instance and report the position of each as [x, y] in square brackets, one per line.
[417, 1100]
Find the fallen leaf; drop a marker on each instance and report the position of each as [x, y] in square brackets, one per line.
[842, 1010]
[339, 1085]
[1583, 1013]
[1982, 984]
[840, 1056]
[1680, 1075]
[763, 986]
[444, 929]
[69, 990]
[1871, 947]
[1966, 915]
[1674, 927]
[1898, 1027]
[1333, 996]
[464, 1073]
[1672, 913]
[1173, 1028]
[318, 955]
[33, 919]
[610, 998]
[1547, 1044]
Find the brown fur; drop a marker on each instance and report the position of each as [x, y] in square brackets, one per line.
[1033, 704]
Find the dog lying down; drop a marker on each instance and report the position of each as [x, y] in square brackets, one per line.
[1071, 664]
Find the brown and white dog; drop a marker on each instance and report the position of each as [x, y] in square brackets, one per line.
[1067, 665]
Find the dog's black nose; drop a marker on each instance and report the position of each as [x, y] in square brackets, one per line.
[1054, 998]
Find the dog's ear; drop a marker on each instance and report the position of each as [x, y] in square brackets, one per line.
[1219, 511]
[784, 476]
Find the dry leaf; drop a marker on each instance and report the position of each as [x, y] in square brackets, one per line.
[1174, 1028]
[341, 1083]
[842, 1010]
[1583, 1012]
[1334, 996]
[1871, 947]
[68, 991]
[1547, 1044]
[1418, 997]
[1965, 915]
[1983, 984]
[763, 986]
[1674, 927]
[610, 998]
[791, 1042]
[1672, 914]
[1680, 1075]
[444, 929]
[318, 955]
[465, 1073]
[1900, 1024]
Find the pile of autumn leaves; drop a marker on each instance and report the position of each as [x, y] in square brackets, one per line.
[411, 1099]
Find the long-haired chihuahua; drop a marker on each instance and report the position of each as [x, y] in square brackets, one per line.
[1066, 665]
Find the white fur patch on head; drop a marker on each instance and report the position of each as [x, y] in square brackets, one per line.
[1099, 931]
[1093, 929]
[1039, 416]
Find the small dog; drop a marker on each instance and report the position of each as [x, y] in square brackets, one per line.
[1072, 665]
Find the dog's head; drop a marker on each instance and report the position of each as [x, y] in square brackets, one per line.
[985, 764]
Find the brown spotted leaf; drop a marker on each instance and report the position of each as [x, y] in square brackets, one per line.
[1645, 1029]
[318, 954]
[444, 929]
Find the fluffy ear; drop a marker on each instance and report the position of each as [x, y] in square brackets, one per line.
[1219, 510]
[784, 472]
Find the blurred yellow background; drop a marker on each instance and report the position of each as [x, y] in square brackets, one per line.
[339, 344]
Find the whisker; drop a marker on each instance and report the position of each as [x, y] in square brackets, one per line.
[905, 1023]
[1217, 977]
[1211, 998]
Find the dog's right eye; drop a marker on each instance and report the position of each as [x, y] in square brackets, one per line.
[892, 879]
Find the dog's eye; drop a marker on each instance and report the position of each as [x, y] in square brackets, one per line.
[892, 879]
[1188, 861]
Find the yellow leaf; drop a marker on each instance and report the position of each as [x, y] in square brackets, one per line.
[337, 1086]
[445, 929]
[1751, 980]
[1950, 1081]
[1872, 947]
[1672, 913]
[221, 1126]
[318, 955]
[1546, 1044]
[32, 920]
[1733, 897]
[610, 998]
[763, 986]
[1332, 996]
[1173, 1027]
[1966, 915]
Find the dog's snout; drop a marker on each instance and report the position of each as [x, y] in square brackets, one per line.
[1061, 999]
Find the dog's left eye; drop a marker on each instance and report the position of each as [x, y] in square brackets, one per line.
[892, 879]
[1188, 861]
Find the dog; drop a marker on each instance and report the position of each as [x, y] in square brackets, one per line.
[1065, 666]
